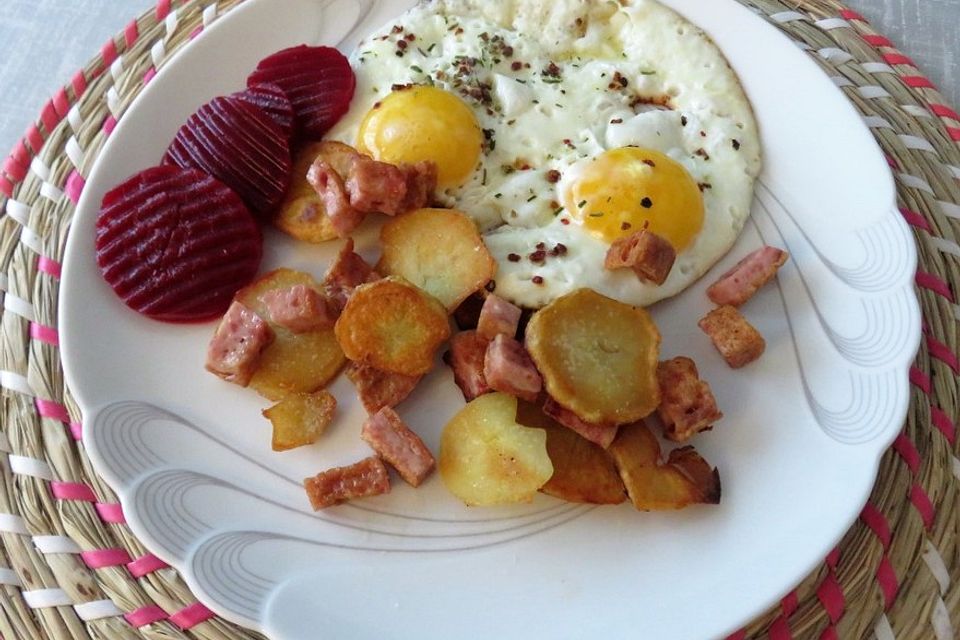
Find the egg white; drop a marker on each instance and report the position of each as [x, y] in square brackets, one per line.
[538, 121]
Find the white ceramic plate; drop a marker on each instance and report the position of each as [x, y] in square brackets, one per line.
[798, 449]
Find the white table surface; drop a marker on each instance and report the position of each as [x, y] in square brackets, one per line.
[46, 41]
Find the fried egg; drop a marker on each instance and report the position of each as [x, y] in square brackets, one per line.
[562, 126]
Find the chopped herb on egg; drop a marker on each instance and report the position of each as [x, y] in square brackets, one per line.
[581, 204]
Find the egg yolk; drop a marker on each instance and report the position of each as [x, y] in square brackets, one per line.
[424, 123]
[624, 190]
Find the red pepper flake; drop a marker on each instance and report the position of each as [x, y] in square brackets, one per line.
[537, 280]
[564, 221]
[704, 186]
[703, 134]
[553, 176]
[516, 65]
[513, 257]
[397, 29]
[402, 44]
[410, 37]
[650, 163]
[625, 226]
[541, 245]
[703, 154]
[538, 256]
[683, 121]
[568, 142]
[736, 145]
[616, 121]
[459, 31]
[646, 203]
[376, 105]
[559, 250]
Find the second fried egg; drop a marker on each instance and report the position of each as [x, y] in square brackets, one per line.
[562, 126]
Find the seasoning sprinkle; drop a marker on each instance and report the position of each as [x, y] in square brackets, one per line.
[581, 204]
[537, 280]
[646, 203]
[513, 257]
[624, 226]
[553, 176]
[736, 145]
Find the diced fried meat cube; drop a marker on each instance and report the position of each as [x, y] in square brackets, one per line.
[338, 485]
[508, 368]
[235, 349]
[328, 184]
[601, 434]
[378, 389]
[687, 404]
[466, 357]
[736, 339]
[376, 186]
[498, 316]
[650, 256]
[300, 308]
[347, 272]
[400, 447]
[421, 184]
[739, 284]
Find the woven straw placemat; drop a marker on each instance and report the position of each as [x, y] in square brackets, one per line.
[69, 566]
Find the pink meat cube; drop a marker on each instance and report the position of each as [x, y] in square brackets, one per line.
[498, 316]
[361, 480]
[739, 284]
[466, 357]
[508, 368]
[400, 447]
[601, 434]
[300, 308]
[234, 351]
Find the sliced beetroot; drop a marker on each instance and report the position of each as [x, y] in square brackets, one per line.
[240, 145]
[176, 244]
[274, 102]
[318, 81]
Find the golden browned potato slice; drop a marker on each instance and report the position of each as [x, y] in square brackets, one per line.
[598, 357]
[440, 251]
[486, 458]
[300, 419]
[582, 470]
[684, 479]
[393, 326]
[302, 214]
[294, 362]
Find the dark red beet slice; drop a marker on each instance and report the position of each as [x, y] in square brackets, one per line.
[274, 103]
[239, 145]
[176, 244]
[318, 81]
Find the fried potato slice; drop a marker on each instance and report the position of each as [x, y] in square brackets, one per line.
[294, 362]
[440, 251]
[302, 214]
[598, 357]
[300, 419]
[582, 470]
[486, 458]
[684, 479]
[393, 326]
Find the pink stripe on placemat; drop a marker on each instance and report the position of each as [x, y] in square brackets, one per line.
[920, 380]
[49, 117]
[61, 103]
[954, 133]
[105, 558]
[908, 451]
[878, 41]
[163, 9]
[918, 82]
[109, 53]
[943, 422]
[887, 579]
[739, 635]
[830, 595]
[52, 410]
[935, 284]
[915, 219]
[790, 603]
[944, 111]
[196, 32]
[898, 58]
[780, 629]
[849, 14]
[45, 334]
[109, 124]
[833, 558]
[145, 564]
[14, 169]
[131, 33]
[79, 83]
[34, 138]
[149, 75]
[20, 154]
[110, 512]
[878, 523]
[76, 430]
[74, 186]
[830, 633]
[145, 615]
[191, 616]
[49, 266]
[72, 491]
[6, 187]
[943, 353]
